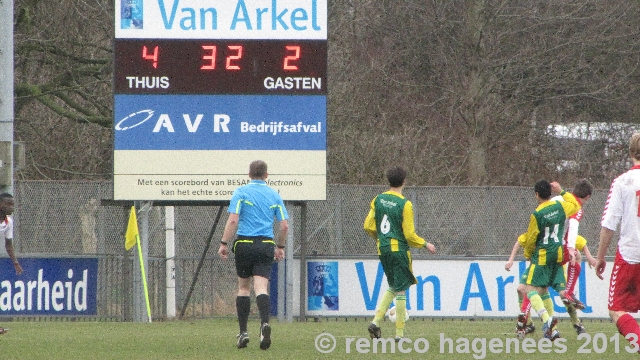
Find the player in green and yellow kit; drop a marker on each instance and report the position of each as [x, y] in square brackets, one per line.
[543, 245]
[390, 222]
[525, 323]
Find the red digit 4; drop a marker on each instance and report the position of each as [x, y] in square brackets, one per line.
[151, 57]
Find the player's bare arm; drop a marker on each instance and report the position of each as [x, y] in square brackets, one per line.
[590, 259]
[605, 239]
[514, 251]
[8, 245]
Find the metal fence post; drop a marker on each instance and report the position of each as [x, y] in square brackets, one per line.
[303, 261]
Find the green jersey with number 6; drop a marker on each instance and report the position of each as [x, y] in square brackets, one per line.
[390, 219]
[389, 209]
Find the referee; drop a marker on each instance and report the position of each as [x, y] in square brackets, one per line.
[252, 211]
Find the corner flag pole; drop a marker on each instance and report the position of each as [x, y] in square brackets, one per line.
[144, 277]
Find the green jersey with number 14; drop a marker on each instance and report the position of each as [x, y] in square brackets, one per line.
[551, 220]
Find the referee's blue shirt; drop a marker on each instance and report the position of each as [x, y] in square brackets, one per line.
[257, 204]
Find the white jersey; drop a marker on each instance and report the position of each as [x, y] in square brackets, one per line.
[571, 225]
[6, 228]
[622, 209]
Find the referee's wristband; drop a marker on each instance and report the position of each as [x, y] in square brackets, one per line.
[223, 242]
[280, 246]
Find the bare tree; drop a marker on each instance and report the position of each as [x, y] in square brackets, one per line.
[63, 87]
[477, 84]
[459, 92]
[378, 110]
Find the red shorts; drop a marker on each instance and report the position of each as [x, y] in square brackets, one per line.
[624, 286]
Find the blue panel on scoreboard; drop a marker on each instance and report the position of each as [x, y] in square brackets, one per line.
[220, 122]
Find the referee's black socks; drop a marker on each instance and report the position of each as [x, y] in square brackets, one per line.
[243, 307]
[264, 305]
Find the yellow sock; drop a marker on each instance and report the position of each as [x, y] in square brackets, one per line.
[387, 298]
[401, 309]
[538, 305]
[548, 303]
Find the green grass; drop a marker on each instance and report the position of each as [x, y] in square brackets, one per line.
[215, 339]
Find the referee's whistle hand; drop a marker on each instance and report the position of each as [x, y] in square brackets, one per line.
[223, 251]
[279, 254]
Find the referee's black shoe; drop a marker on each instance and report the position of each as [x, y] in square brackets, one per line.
[243, 340]
[265, 336]
[374, 331]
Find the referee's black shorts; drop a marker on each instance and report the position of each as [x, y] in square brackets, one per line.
[254, 256]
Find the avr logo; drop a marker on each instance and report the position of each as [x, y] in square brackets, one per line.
[132, 118]
[164, 123]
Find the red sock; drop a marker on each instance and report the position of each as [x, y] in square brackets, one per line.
[628, 325]
[525, 308]
[573, 272]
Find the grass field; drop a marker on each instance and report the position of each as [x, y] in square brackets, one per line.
[215, 339]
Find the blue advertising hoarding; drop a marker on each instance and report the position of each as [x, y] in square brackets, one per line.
[62, 286]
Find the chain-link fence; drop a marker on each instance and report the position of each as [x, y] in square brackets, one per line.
[70, 219]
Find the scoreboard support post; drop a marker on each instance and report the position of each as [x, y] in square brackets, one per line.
[197, 98]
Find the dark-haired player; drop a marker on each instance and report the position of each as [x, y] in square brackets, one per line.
[6, 230]
[543, 245]
[390, 222]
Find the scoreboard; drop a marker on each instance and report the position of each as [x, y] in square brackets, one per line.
[221, 67]
[204, 87]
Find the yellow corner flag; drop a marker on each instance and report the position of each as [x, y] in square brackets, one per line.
[131, 236]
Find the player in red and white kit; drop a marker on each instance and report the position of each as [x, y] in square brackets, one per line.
[582, 190]
[622, 208]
